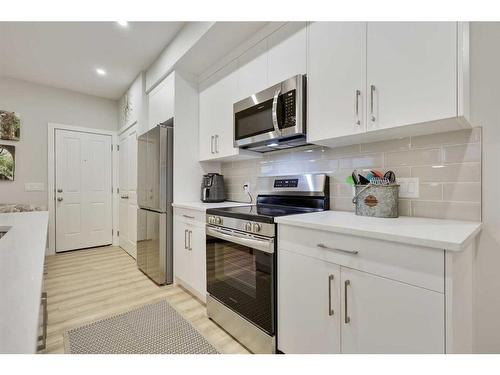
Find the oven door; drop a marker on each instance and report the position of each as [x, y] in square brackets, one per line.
[240, 274]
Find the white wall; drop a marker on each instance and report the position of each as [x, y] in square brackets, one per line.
[38, 105]
[485, 112]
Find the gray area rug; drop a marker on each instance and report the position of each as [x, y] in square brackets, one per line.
[152, 329]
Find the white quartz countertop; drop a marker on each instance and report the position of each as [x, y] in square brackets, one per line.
[435, 233]
[200, 206]
[22, 254]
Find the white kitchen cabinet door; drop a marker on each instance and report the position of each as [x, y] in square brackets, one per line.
[252, 71]
[181, 252]
[336, 79]
[308, 305]
[216, 116]
[198, 266]
[287, 49]
[380, 315]
[411, 72]
[161, 102]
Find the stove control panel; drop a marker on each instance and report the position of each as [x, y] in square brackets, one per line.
[263, 229]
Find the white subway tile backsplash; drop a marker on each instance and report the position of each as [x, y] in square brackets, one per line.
[413, 157]
[448, 166]
[462, 153]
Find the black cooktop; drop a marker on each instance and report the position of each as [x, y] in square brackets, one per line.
[264, 213]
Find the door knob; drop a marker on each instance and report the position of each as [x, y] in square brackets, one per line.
[59, 190]
[59, 199]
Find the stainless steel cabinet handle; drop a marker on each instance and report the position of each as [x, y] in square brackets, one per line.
[372, 91]
[212, 144]
[185, 238]
[323, 246]
[190, 236]
[43, 337]
[347, 319]
[330, 310]
[358, 94]
[216, 143]
[188, 217]
[59, 199]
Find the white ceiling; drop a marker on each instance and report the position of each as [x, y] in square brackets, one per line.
[66, 54]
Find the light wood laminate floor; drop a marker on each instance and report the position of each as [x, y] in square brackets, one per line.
[84, 286]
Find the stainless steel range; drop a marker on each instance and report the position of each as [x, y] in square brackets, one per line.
[241, 256]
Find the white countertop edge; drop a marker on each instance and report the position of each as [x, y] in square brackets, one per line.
[202, 207]
[22, 255]
[294, 220]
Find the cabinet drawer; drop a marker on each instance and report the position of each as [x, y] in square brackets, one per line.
[415, 265]
[190, 216]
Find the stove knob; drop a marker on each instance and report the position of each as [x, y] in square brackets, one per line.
[248, 227]
[211, 220]
[257, 227]
[218, 220]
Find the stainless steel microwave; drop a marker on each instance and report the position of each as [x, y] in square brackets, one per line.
[272, 119]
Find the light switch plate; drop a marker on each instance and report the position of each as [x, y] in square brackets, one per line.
[33, 186]
[408, 187]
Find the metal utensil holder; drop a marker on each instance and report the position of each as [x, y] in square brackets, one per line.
[376, 200]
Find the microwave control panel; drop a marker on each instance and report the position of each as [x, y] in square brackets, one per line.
[289, 109]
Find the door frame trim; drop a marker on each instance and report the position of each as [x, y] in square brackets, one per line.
[51, 133]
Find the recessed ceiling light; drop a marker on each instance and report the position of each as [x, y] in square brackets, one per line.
[100, 71]
[122, 23]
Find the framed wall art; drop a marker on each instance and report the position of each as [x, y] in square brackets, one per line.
[10, 126]
[7, 162]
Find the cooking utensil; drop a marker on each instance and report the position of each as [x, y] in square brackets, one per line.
[391, 176]
[376, 173]
[363, 180]
[354, 178]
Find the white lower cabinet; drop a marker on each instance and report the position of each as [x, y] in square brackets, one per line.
[189, 251]
[380, 315]
[326, 305]
[309, 305]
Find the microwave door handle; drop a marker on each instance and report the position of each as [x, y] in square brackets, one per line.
[275, 111]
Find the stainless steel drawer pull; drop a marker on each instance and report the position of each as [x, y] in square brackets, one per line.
[330, 310]
[190, 236]
[372, 91]
[347, 319]
[358, 94]
[323, 246]
[212, 144]
[188, 217]
[43, 337]
[185, 239]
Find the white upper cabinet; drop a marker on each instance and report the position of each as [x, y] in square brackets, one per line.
[287, 52]
[336, 79]
[161, 102]
[411, 72]
[252, 71]
[216, 115]
[393, 78]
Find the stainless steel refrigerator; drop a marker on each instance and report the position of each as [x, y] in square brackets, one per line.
[154, 198]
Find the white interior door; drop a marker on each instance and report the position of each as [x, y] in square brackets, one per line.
[128, 191]
[83, 190]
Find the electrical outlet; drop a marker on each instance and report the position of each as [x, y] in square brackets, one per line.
[246, 187]
[33, 186]
[408, 187]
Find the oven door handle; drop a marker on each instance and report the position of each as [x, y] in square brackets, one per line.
[275, 111]
[261, 244]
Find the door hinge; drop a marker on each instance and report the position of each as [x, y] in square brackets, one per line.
[112, 232]
[118, 233]
[117, 147]
[117, 190]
